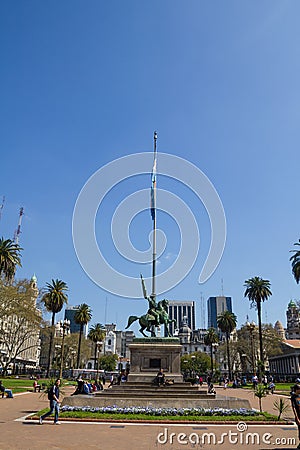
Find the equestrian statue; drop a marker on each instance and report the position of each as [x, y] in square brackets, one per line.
[155, 316]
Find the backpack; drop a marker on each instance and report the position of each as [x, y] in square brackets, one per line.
[50, 393]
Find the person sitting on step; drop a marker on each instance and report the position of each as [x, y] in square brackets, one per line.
[160, 378]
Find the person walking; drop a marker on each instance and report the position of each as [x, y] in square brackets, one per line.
[53, 396]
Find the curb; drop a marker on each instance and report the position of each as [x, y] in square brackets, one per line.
[184, 422]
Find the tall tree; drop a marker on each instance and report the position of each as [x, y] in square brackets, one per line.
[258, 290]
[20, 322]
[195, 363]
[227, 321]
[211, 338]
[108, 363]
[10, 258]
[295, 260]
[82, 316]
[96, 335]
[247, 343]
[54, 299]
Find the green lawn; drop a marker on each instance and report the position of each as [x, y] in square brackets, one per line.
[25, 384]
[19, 384]
[282, 387]
[146, 417]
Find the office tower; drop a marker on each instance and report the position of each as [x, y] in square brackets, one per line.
[178, 310]
[216, 306]
[70, 312]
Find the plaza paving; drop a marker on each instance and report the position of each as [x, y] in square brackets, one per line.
[21, 434]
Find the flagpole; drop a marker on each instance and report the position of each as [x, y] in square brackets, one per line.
[153, 294]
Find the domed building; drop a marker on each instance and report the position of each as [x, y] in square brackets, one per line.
[279, 329]
[286, 365]
[185, 333]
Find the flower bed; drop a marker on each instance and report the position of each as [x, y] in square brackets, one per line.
[150, 411]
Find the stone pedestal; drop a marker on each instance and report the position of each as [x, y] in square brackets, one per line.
[148, 355]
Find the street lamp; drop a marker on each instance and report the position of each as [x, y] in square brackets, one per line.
[65, 327]
[72, 353]
[73, 358]
[56, 357]
[215, 346]
[244, 363]
[193, 365]
[98, 346]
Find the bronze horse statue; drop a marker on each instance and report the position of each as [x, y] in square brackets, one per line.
[149, 321]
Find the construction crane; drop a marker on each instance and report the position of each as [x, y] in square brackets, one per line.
[2, 206]
[18, 230]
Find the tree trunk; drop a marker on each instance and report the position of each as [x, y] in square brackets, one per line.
[261, 352]
[95, 355]
[50, 345]
[228, 356]
[79, 347]
[211, 360]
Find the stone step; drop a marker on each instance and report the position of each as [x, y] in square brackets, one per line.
[162, 394]
[179, 388]
[156, 390]
[179, 385]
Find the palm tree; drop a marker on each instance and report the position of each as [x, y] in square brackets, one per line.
[82, 317]
[257, 291]
[9, 258]
[96, 335]
[295, 259]
[227, 321]
[281, 406]
[260, 393]
[211, 338]
[54, 299]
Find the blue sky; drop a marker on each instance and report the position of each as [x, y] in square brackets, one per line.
[85, 83]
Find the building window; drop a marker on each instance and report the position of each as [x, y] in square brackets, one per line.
[109, 342]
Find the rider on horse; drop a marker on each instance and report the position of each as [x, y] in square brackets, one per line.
[152, 313]
[156, 315]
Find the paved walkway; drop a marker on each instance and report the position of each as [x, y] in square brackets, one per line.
[267, 402]
[28, 435]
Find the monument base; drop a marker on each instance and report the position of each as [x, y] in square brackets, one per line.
[149, 355]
